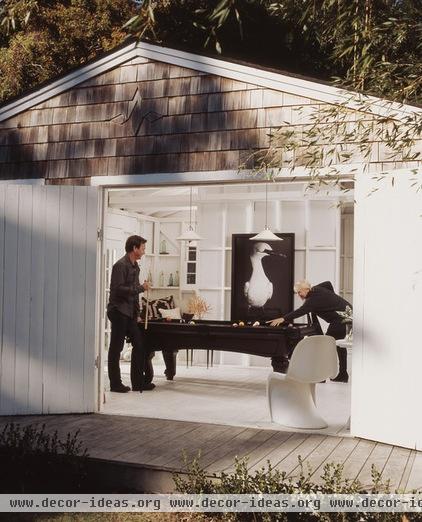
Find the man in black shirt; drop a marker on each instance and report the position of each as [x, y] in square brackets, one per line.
[322, 301]
[123, 310]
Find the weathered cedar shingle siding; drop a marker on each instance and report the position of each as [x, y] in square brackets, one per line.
[143, 118]
[150, 117]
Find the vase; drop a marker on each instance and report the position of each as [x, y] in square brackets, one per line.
[349, 331]
[163, 247]
[161, 279]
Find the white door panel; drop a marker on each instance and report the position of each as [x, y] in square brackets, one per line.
[48, 263]
[387, 356]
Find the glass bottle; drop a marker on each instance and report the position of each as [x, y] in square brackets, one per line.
[161, 279]
[163, 247]
[170, 279]
[176, 280]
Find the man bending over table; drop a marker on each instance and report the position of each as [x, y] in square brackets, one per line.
[322, 301]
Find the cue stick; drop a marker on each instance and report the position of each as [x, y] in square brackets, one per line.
[146, 311]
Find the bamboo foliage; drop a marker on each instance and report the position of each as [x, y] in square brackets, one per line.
[332, 137]
[371, 46]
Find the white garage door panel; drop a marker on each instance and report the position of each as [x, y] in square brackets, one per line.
[48, 299]
[10, 228]
[23, 263]
[36, 325]
[387, 358]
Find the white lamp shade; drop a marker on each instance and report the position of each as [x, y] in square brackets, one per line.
[189, 235]
[266, 235]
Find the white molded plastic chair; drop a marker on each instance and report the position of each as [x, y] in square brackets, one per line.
[291, 396]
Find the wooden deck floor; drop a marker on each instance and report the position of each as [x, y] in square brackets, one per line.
[157, 444]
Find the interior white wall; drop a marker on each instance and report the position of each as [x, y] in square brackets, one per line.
[118, 226]
[387, 358]
[346, 253]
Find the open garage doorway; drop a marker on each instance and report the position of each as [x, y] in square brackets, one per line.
[219, 386]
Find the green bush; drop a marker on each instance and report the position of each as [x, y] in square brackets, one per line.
[270, 481]
[33, 461]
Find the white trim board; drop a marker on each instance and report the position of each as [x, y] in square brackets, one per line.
[35, 181]
[347, 173]
[271, 80]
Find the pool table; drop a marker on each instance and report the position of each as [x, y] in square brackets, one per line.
[266, 341]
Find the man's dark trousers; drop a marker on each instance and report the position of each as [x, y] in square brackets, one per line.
[123, 326]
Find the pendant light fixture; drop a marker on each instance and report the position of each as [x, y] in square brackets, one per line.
[190, 234]
[266, 234]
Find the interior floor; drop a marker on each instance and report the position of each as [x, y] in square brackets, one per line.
[229, 395]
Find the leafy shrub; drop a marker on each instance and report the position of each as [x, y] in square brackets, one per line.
[33, 461]
[267, 480]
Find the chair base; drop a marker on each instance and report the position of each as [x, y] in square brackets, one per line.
[292, 403]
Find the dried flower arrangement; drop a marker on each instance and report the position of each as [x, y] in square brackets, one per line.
[198, 306]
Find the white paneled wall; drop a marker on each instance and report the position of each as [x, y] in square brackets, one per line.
[118, 226]
[48, 240]
[346, 257]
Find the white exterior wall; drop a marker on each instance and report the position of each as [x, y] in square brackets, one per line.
[387, 355]
[48, 275]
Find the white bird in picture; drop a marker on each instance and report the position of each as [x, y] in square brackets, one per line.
[259, 289]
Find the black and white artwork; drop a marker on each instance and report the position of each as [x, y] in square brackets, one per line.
[262, 277]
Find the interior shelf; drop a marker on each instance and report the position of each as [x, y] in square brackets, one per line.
[322, 248]
[165, 288]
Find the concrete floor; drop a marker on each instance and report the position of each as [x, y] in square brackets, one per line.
[230, 395]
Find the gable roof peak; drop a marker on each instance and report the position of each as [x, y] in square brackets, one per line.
[279, 81]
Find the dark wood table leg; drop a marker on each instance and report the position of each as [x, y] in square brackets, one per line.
[170, 362]
[280, 363]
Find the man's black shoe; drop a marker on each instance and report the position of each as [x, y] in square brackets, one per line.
[146, 387]
[120, 389]
[341, 377]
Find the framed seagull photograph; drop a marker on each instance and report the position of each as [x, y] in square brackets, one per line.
[262, 277]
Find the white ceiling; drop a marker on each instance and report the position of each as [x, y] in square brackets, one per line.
[166, 201]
